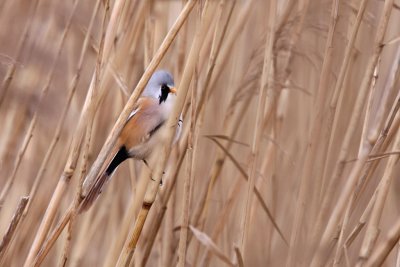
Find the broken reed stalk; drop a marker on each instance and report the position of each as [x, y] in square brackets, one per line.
[10, 232]
[336, 215]
[75, 146]
[163, 151]
[43, 93]
[266, 86]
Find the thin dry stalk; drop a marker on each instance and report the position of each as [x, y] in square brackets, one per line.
[222, 219]
[314, 138]
[188, 182]
[366, 126]
[67, 245]
[21, 152]
[225, 51]
[148, 39]
[8, 236]
[267, 79]
[347, 54]
[5, 84]
[239, 257]
[37, 261]
[382, 251]
[398, 256]
[168, 236]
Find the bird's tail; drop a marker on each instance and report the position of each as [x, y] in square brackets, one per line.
[110, 164]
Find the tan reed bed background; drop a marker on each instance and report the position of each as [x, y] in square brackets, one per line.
[289, 153]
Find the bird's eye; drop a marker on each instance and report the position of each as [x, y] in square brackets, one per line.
[164, 88]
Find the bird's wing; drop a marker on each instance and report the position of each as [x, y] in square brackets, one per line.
[145, 121]
[141, 124]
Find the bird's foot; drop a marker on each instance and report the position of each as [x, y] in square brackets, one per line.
[161, 181]
[163, 173]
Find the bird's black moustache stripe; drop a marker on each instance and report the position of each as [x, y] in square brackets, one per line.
[164, 93]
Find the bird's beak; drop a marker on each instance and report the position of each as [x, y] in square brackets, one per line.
[172, 90]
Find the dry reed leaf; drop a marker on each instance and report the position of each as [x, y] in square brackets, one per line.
[227, 138]
[257, 193]
[210, 245]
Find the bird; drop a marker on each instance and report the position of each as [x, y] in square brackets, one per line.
[141, 133]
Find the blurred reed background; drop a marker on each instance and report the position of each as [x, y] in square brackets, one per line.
[300, 98]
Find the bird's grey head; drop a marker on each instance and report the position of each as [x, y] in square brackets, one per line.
[160, 85]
